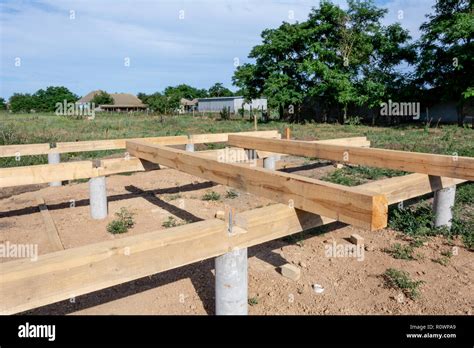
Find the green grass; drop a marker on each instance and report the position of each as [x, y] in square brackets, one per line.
[173, 222]
[401, 280]
[211, 196]
[357, 175]
[122, 223]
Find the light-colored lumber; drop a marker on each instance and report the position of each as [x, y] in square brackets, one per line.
[44, 173]
[69, 273]
[351, 141]
[50, 226]
[401, 188]
[425, 163]
[350, 205]
[117, 144]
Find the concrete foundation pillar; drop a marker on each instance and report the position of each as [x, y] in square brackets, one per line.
[54, 158]
[443, 206]
[190, 147]
[98, 198]
[232, 283]
[269, 163]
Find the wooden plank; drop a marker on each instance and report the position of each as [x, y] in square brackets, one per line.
[117, 144]
[350, 205]
[351, 141]
[438, 165]
[223, 137]
[405, 187]
[51, 230]
[44, 173]
[61, 275]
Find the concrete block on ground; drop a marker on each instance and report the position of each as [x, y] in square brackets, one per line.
[291, 271]
[356, 239]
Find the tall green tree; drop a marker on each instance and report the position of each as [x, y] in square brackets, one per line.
[102, 98]
[20, 102]
[46, 99]
[340, 57]
[446, 60]
[3, 104]
[218, 90]
[174, 95]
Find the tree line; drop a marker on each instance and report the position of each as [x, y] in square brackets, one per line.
[45, 100]
[342, 58]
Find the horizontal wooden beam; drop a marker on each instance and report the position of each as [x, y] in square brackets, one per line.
[350, 205]
[401, 188]
[425, 163]
[117, 144]
[44, 173]
[69, 273]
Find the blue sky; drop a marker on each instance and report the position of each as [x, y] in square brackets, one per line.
[86, 44]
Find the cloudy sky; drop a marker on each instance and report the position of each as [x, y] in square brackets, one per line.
[145, 45]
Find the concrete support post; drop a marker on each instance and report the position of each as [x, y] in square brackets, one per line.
[443, 206]
[54, 158]
[232, 283]
[98, 198]
[269, 163]
[190, 147]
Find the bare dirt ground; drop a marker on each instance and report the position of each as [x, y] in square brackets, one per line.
[351, 286]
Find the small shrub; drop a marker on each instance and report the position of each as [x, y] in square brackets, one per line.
[442, 260]
[173, 197]
[398, 279]
[225, 113]
[171, 222]
[231, 194]
[211, 196]
[122, 223]
[403, 252]
[253, 301]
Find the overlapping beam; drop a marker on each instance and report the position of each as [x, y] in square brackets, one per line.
[425, 163]
[350, 205]
[69, 273]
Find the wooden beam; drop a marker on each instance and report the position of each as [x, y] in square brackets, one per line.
[425, 163]
[117, 144]
[65, 274]
[351, 141]
[50, 226]
[44, 173]
[350, 205]
[405, 187]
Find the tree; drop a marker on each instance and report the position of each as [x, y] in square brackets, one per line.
[3, 104]
[218, 90]
[45, 100]
[446, 59]
[22, 102]
[102, 98]
[174, 94]
[340, 57]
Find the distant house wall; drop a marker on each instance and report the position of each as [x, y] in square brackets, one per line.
[234, 104]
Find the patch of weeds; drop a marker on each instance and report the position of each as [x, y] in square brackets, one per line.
[211, 196]
[415, 221]
[357, 175]
[172, 222]
[341, 177]
[253, 301]
[231, 194]
[443, 260]
[402, 252]
[122, 223]
[173, 197]
[401, 280]
[418, 241]
[465, 194]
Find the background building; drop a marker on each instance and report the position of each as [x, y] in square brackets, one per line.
[234, 104]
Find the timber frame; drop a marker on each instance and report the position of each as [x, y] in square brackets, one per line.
[301, 203]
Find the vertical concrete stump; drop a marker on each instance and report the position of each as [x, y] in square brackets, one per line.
[98, 198]
[54, 158]
[443, 206]
[269, 163]
[190, 147]
[232, 283]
